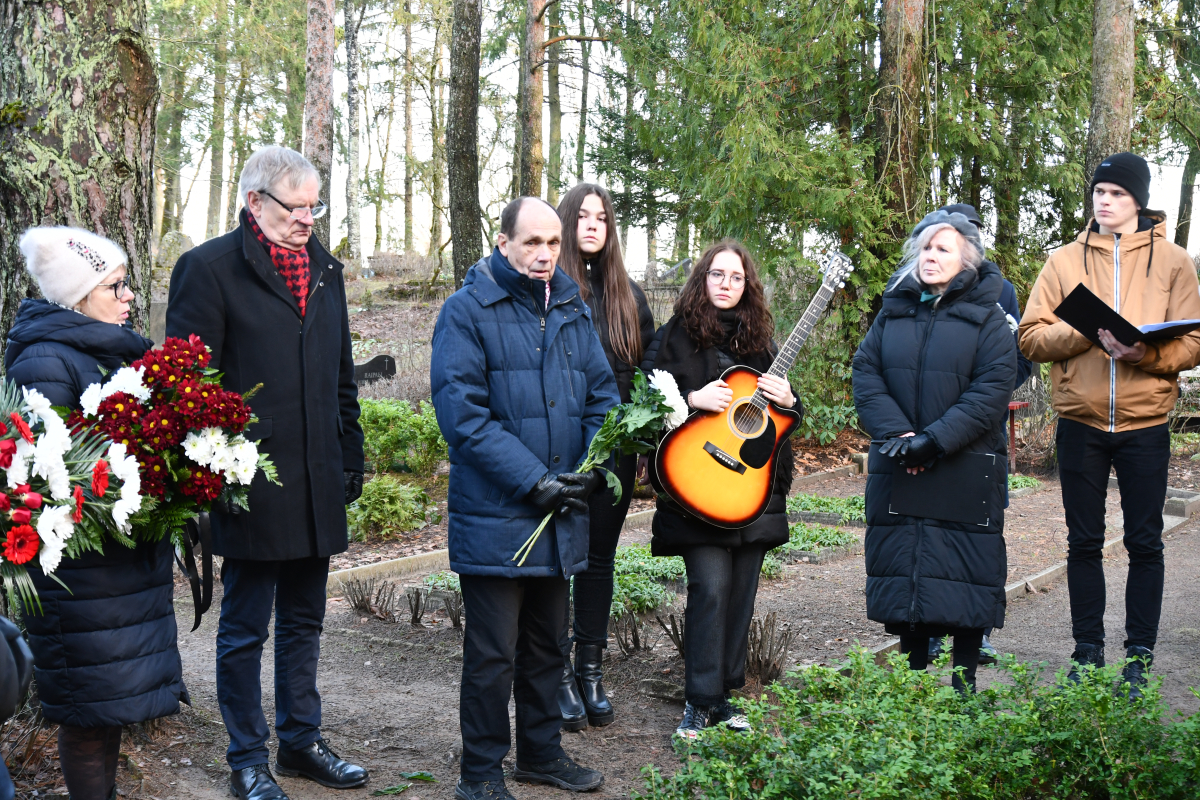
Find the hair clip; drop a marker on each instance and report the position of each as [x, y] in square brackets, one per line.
[88, 254]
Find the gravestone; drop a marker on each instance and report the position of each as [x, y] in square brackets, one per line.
[381, 367]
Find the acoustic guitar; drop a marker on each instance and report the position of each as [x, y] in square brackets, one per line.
[720, 465]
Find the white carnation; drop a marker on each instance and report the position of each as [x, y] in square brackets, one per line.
[129, 381]
[48, 452]
[664, 382]
[54, 527]
[90, 399]
[37, 404]
[125, 468]
[18, 471]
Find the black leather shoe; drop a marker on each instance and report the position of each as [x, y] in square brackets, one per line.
[574, 715]
[561, 772]
[1084, 655]
[256, 783]
[318, 763]
[589, 671]
[987, 652]
[482, 790]
[1134, 673]
[935, 648]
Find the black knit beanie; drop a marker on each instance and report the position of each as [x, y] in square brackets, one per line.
[1128, 171]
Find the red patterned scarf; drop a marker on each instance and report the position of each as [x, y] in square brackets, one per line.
[291, 264]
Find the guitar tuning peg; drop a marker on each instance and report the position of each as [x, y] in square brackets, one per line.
[841, 284]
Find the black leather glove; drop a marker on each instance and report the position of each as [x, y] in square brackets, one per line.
[590, 480]
[354, 482]
[894, 446]
[919, 451]
[550, 494]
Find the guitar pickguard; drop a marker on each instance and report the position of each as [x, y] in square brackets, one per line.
[756, 452]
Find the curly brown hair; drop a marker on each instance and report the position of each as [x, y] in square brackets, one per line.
[701, 319]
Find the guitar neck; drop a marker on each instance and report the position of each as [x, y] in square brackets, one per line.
[799, 335]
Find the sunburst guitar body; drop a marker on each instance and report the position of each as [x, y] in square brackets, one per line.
[720, 465]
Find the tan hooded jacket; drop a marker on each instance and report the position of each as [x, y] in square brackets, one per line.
[1157, 283]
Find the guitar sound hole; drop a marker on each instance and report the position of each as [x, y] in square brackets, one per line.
[747, 419]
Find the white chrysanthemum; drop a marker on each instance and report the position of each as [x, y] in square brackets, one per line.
[129, 381]
[18, 471]
[664, 382]
[37, 404]
[223, 459]
[197, 448]
[90, 399]
[54, 527]
[245, 455]
[125, 469]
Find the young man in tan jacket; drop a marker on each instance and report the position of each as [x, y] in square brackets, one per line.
[1112, 400]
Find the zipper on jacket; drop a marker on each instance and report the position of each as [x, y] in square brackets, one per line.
[921, 365]
[1112, 362]
[912, 606]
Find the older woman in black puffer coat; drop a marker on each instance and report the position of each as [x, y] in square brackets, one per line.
[932, 378]
[104, 652]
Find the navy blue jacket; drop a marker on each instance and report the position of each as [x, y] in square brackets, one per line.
[1012, 307]
[104, 652]
[949, 372]
[519, 391]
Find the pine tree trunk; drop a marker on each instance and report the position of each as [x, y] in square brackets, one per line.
[437, 129]
[530, 108]
[1008, 184]
[901, 71]
[353, 214]
[318, 101]
[237, 137]
[515, 187]
[408, 129]
[462, 136]
[585, 50]
[652, 237]
[1112, 86]
[216, 171]
[554, 160]
[1187, 187]
[627, 177]
[78, 92]
[682, 231]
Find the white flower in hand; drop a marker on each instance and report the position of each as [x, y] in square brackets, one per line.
[664, 382]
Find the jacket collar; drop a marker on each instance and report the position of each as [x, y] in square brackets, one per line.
[319, 261]
[493, 279]
[1151, 225]
[980, 288]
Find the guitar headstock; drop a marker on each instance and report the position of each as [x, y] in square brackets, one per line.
[837, 268]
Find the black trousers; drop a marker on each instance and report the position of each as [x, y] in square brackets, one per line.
[594, 586]
[965, 653]
[722, 583]
[510, 648]
[1141, 459]
[295, 590]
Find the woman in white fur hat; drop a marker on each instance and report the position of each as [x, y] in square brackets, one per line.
[104, 653]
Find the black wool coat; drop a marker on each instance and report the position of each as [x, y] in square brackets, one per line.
[674, 529]
[227, 292]
[104, 652]
[948, 371]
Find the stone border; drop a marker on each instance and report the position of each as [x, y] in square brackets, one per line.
[826, 555]
[433, 561]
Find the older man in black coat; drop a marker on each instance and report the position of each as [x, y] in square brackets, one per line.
[270, 302]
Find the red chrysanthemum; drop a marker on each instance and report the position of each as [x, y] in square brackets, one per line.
[202, 484]
[164, 423]
[100, 478]
[154, 474]
[21, 544]
[189, 400]
[158, 371]
[77, 422]
[121, 410]
[22, 427]
[200, 349]
[77, 515]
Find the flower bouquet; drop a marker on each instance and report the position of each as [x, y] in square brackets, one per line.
[185, 432]
[64, 491]
[655, 404]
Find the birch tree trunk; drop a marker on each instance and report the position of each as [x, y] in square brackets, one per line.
[384, 151]
[530, 108]
[1112, 86]
[554, 161]
[408, 129]
[216, 171]
[318, 101]
[437, 132]
[78, 92]
[352, 23]
[462, 136]
[1187, 188]
[901, 68]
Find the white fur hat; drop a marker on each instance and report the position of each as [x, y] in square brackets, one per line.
[69, 262]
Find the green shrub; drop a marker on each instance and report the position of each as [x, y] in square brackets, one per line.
[395, 434]
[852, 509]
[772, 567]
[443, 580]
[810, 538]
[637, 593]
[1023, 482]
[889, 733]
[635, 559]
[388, 508]
[824, 422]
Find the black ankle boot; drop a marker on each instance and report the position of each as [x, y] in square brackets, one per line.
[589, 669]
[574, 715]
[1134, 673]
[1084, 655]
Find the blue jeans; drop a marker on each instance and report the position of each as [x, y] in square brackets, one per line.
[295, 589]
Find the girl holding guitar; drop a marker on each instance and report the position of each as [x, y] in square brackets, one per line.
[721, 320]
[623, 320]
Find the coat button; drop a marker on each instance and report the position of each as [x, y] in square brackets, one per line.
[556, 459]
[321, 283]
[539, 349]
[331, 266]
[552, 404]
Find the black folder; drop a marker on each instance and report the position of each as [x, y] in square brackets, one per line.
[959, 488]
[1086, 313]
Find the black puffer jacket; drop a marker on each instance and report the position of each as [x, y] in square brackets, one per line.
[104, 652]
[949, 372]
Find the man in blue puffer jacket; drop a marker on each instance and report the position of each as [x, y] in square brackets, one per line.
[520, 385]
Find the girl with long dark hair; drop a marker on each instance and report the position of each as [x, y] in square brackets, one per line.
[721, 320]
[591, 255]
